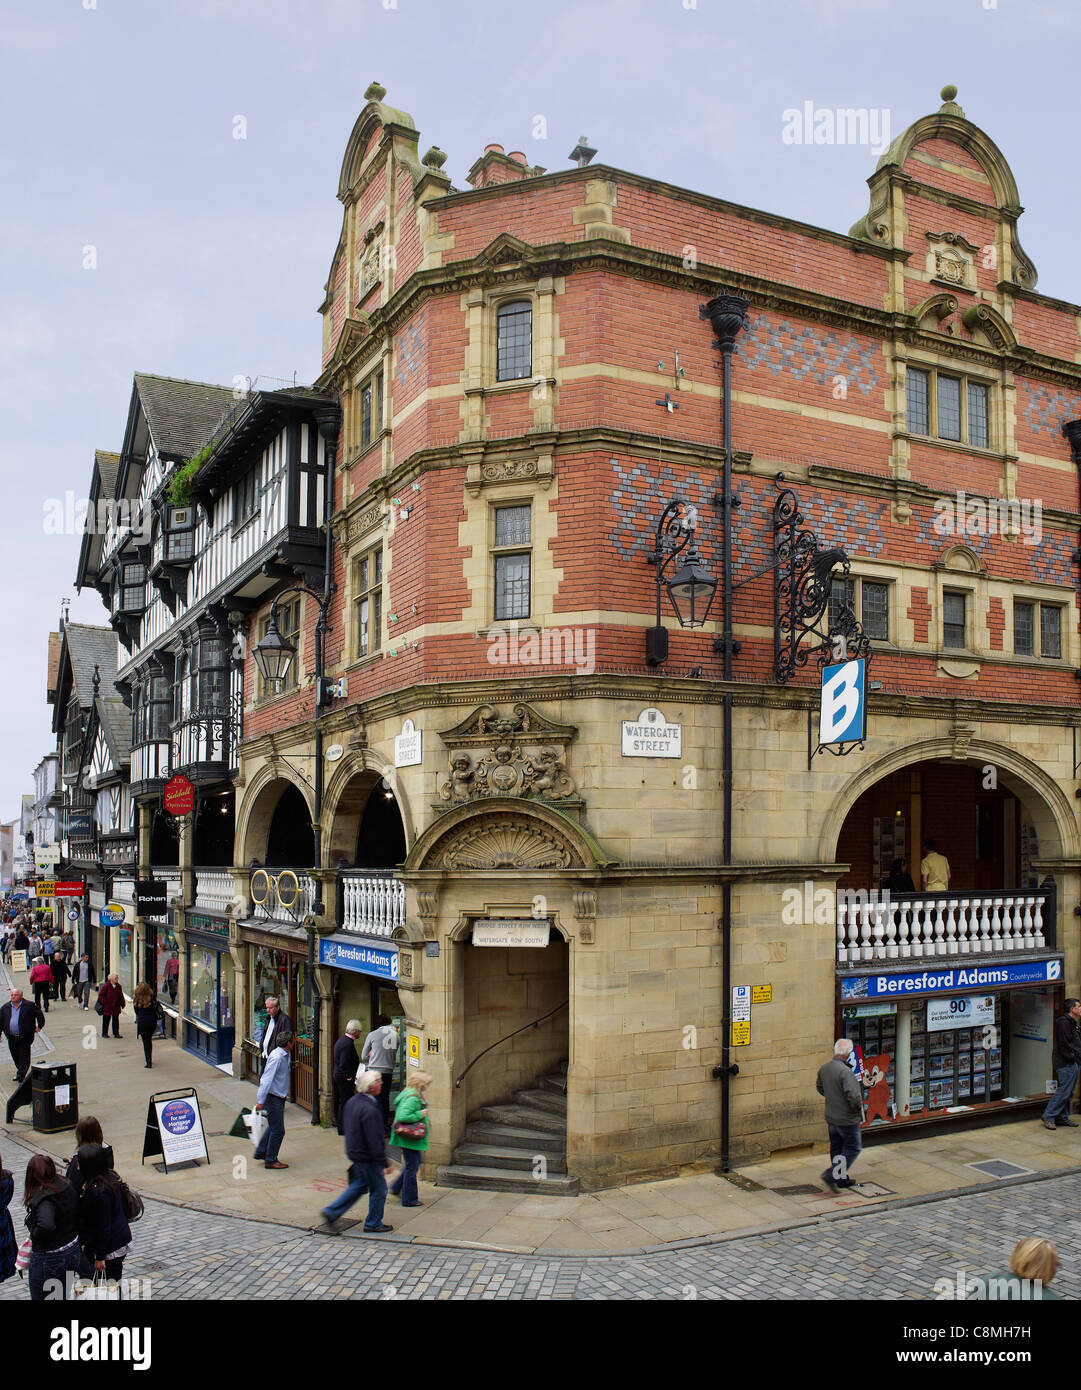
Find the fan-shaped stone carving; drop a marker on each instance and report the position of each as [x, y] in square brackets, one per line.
[505, 844]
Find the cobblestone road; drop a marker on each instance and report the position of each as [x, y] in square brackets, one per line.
[891, 1253]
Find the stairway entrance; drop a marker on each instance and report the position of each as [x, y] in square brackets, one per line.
[511, 1081]
[517, 1146]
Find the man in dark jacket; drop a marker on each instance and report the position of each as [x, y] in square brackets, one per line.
[83, 977]
[1067, 1062]
[19, 1021]
[365, 1146]
[844, 1114]
[344, 1069]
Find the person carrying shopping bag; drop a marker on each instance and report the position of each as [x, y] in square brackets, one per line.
[410, 1132]
[104, 1232]
[52, 1219]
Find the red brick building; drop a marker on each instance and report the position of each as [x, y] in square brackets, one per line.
[527, 379]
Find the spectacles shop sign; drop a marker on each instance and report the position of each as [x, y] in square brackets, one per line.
[651, 736]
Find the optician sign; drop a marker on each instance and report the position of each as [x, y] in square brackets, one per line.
[356, 955]
[1029, 972]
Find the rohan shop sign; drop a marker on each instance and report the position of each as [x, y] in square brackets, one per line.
[1028, 972]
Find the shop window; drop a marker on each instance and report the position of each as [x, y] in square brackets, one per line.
[942, 406]
[514, 341]
[369, 602]
[513, 559]
[869, 600]
[954, 620]
[167, 966]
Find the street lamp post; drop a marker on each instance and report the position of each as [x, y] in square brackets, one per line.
[690, 589]
[274, 655]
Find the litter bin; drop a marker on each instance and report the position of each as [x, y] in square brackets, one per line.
[54, 1096]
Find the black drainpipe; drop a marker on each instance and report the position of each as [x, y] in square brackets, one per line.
[727, 314]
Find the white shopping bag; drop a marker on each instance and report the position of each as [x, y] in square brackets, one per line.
[255, 1124]
[99, 1289]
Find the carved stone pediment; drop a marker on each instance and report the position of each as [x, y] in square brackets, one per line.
[516, 754]
[486, 724]
[506, 842]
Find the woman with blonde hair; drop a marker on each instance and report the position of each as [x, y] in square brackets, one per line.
[410, 1133]
[146, 1018]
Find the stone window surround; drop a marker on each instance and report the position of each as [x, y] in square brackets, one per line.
[351, 653]
[496, 501]
[926, 362]
[1028, 593]
[481, 308]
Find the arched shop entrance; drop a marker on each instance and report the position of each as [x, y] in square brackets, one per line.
[277, 839]
[367, 842]
[951, 996]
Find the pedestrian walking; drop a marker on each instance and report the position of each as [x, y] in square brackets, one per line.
[146, 1019]
[83, 978]
[22, 940]
[410, 1133]
[48, 947]
[34, 949]
[60, 975]
[844, 1112]
[380, 1051]
[271, 1096]
[1066, 1059]
[344, 1069]
[277, 1024]
[41, 981]
[52, 1219]
[19, 1022]
[934, 868]
[365, 1147]
[104, 1233]
[9, 1246]
[87, 1133]
[111, 1001]
[67, 946]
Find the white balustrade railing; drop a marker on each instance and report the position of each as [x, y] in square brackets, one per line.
[877, 927]
[215, 890]
[372, 906]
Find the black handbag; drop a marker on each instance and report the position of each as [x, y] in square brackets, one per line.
[99, 1007]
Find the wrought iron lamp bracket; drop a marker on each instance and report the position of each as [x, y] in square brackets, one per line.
[801, 593]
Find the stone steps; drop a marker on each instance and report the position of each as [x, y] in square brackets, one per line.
[504, 1156]
[548, 1101]
[501, 1180]
[524, 1117]
[503, 1143]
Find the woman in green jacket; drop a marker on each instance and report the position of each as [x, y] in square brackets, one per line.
[410, 1108]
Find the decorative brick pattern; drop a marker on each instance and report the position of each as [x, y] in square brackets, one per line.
[782, 346]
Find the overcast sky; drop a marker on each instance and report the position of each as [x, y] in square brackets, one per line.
[208, 254]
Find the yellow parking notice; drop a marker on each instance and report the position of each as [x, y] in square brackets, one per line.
[413, 1049]
[761, 994]
[741, 1034]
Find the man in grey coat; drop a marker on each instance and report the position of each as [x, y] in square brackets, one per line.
[844, 1114]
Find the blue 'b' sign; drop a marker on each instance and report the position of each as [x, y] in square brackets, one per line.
[843, 715]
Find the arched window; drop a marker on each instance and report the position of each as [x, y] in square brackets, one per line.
[514, 341]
